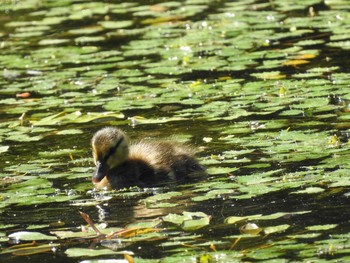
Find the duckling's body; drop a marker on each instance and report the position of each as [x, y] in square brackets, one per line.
[144, 164]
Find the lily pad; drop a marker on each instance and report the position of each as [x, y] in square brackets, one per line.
[4, 148]
[77, 117]
[85, 252]
[189, 220]
[321, 227]
[275, 229]
[30, 236]
[46, 42]
[309, 190]
[115, 24]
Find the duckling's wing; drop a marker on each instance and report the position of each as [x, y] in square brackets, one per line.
[174, 159]
[156, 154]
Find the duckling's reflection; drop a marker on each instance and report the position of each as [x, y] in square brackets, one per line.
[119, 210]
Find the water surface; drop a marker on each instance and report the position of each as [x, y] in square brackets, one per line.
[259, 87]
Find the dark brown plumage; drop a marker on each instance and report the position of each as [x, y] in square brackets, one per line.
[143, 164]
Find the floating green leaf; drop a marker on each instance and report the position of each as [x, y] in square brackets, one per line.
[46, 42]
[30, 236]
[85, 252]
[274, 229]
[309, 190]
[115, 24]
[189, 220]
[321, 227]
[4, 148]
[77, 117]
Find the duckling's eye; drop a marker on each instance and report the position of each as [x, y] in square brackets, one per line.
[113, 149]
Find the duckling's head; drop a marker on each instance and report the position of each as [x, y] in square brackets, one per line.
[110, 149]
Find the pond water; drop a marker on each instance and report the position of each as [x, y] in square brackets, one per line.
[261, 88]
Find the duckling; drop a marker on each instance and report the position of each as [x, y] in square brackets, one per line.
[120, 164]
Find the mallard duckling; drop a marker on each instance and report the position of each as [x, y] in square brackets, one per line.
[143, 164]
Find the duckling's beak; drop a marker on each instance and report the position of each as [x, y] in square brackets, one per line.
[101, 172]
